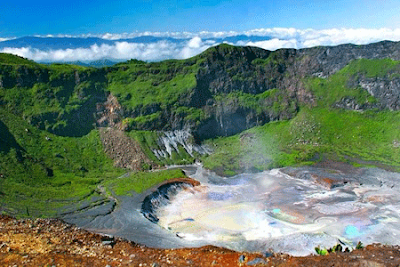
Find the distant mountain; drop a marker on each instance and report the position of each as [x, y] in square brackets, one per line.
[54, 43]
[241, 38]
[96, 64]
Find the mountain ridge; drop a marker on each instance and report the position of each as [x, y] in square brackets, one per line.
[218, 71]
[252, 109]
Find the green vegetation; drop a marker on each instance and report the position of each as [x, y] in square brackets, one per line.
[141, 181]
[371, 68]
[141, 122]
[51, 155]
[42, 172]
[335, 249]
[321, 252]
[51, 96]
[162, 83]
[8, 59]
[370, 137]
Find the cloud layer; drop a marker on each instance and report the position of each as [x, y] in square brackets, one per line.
[186, 44]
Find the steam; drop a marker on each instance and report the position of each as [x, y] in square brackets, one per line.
[288, 214]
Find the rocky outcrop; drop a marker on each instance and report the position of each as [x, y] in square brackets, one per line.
[281, 69]
[385, 89]
[254, 70]
[109, 113]
[70, 96]
[169, 142]
[162, 196]
[226, 69]
[125, 151]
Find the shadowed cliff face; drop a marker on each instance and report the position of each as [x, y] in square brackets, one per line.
[59, 99]
[7, 140]
[226, 69]
[253, 70]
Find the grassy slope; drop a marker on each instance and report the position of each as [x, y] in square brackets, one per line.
[138, 83]
[78, 166]
[141, 181]
[8, 59]
[40, 172]
[369, 137]
[50, 173]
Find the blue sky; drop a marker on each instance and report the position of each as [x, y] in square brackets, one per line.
[280, 24]
[21, 18]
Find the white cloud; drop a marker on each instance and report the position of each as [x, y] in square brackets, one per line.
[354, 36]
[190, 44]
[310, 37]
[193, 47]
[295, 38]
[280, 33]
[119, 51]
[6, 39]
[274, 44]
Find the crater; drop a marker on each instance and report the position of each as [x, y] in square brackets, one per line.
[274, 210]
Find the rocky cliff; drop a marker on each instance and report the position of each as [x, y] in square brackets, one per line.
[220, 92]
[59, 98]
